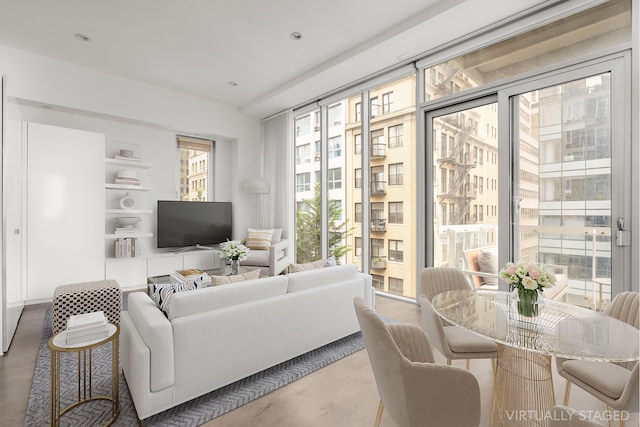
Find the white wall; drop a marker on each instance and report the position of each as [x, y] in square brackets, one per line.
[132, 112]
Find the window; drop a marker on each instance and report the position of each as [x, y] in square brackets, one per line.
[316, 156]
[303, 182]
[303, 154]
[357, 246]
[395, 286]
[377, 143]
[395, 136]
[195, 154]
[357, 208]
[357, 144]
[377, 282]
[395, 250]
[334, 114]
[395, 174]
[374, 106]
[334, 179]
[335, 147]
[387, 100]
[377, 247]
[377, 210]
[395, 213]
[303, 125]
[358, 111]
[357, 178]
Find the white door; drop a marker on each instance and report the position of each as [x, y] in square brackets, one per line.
[65, 212]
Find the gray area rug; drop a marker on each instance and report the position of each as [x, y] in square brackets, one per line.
[192, 413]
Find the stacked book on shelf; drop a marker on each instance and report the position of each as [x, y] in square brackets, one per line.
[191, 275]
[86, 327]
[121, 157]
[126, 177]
[125, 247]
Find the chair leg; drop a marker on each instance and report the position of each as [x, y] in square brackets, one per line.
[567, 389]
[379, 414]
[494, 365]
[467, 364]
[449, 362]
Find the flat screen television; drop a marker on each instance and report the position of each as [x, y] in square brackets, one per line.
[184, 224]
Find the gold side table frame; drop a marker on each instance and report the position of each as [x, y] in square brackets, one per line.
[57, 346]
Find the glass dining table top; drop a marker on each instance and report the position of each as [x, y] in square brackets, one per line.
[560, 329]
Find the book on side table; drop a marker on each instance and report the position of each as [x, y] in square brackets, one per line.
[183, 276]
[86, 327]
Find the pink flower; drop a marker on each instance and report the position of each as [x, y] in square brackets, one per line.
[512, 270]
[535, 274]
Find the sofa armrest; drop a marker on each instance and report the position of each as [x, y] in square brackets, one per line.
[278, 257]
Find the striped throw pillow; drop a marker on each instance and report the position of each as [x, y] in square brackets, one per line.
[225, 280]
[258, 240]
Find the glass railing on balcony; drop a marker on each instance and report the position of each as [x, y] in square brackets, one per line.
[378, 262]
[377, 150]
[378, 225]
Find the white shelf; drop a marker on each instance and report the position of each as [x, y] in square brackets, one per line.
[129, 163]
[128, 211]
[126, 187]
[117, 236]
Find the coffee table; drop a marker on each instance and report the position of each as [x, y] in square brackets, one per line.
[222, 271]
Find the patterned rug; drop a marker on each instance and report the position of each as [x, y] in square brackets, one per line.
[192, 413]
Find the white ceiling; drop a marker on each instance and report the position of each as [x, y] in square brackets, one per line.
[197, 46]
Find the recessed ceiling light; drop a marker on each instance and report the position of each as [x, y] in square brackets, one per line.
[83, 37]
[232, 83]
[296, 35]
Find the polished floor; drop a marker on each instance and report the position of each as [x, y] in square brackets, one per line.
[341, 394]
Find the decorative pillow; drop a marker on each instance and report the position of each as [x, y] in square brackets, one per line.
[161, 293]
[259, 240]
[488, 263]
[225, 280]
[277, 235]
[294, 268]
[330, 262]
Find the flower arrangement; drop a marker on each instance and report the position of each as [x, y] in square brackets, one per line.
[528, 279]
[234, 250]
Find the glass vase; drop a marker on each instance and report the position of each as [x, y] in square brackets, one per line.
[235, 264]
[528, 302]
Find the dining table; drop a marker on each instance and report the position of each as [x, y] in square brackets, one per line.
[523, 392]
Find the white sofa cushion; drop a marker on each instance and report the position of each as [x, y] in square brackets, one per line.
[157, 333]
[216, 297]
[321, 276]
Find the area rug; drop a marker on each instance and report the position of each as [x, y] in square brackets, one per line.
[192, 413]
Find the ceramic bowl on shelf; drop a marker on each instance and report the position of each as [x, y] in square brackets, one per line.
[127, 221]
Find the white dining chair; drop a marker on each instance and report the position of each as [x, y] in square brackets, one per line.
[615, 384]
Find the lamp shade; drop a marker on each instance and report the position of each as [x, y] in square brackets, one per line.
[257, 185]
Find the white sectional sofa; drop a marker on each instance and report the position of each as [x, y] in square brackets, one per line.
[214, 336]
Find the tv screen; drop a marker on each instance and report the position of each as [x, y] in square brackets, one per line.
[183, 224]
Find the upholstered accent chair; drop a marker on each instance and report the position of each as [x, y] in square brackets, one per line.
[414, 390]
[563, 416]
[271, 255]
[454, 343]
[615, 384]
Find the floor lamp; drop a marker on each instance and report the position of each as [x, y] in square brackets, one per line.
[259, 187]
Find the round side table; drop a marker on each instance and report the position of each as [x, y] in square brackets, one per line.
[57, 346]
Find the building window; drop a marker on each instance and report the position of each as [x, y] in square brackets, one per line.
[358, 111]
[334, 115]
[335, 147]
[303, 125]
[395, 250]
[377, 247]
[377, 282]
[387, 100]
[357, 144]
[357, 178]
[357, 208]
[357, 246]
[395, 136]
[377, 210]
[395, 213]
[375, 104]
[303, 154]
[395, 174]
[334, 178]
[303, 182]
[194, 157]
[395, 286]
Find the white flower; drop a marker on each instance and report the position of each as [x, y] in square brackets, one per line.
[527, 276]
[529, 283]
[235, 250]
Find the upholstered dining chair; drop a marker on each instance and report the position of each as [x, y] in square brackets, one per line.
[615, 384]
[454, 343]
[563, 416]
[414, 390]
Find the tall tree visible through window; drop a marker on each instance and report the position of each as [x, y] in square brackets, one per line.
[195, 177]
